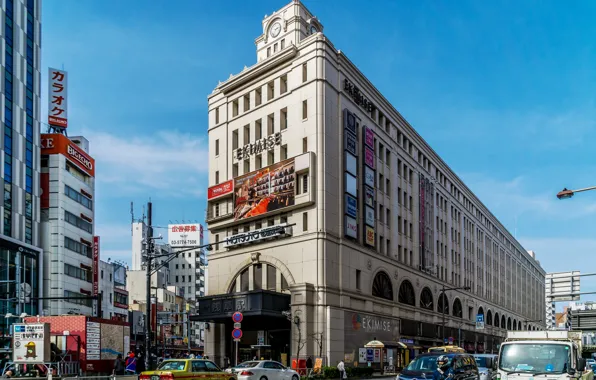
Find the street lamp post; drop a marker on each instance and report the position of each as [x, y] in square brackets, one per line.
[442, 298]
[566, 193]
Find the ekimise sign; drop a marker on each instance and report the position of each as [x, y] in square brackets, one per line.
[56, 143]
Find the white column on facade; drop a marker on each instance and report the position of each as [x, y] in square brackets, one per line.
[251, 277]
[264, 276]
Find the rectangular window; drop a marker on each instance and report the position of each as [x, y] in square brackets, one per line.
[217, 147]
[304, 109]
[283, 153]
[217, 115]
[246, 166]
[246, 101]
[283, 44]
[269, 51]
[358, 276]
[78, 222]
[270, 124]
[305, 145]
[275, 48]
[77, 298]
[235, 170]
[270, 158]
[76, 272]
[304, 72]
[235, 140]
[78, 247]
[270, 90]
[305, 183]
[283, 84]
[258, 161]
[78, 197]
[246, 134]
[305, 221]
[235, 107]
[258, 97]
[258, 129]
[217, 177]
[283, 119]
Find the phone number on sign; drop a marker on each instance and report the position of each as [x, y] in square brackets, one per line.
[184, 242]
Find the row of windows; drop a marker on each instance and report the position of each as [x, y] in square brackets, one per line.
[256, 96]
[78, 247]
[8, 85]
[78, 197]
[120, 298]
[30, 32]
[78, 222]
[78, 273]
[78, 298]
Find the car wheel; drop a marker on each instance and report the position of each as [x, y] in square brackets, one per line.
[263, 378]
[295, 377]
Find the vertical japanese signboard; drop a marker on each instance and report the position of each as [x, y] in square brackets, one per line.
[96, 274]
[426, 226]
[351, 175]
[57, 98]
[369, 185]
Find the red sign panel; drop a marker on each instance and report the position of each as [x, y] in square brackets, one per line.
[220, 190]
[56, 143]
[95, 265]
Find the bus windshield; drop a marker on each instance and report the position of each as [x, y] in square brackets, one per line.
[535, 358]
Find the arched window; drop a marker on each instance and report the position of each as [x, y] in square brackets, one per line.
[406, 293]
[519, 325]
[514, 324]
[457, 309]
[443, 304]
[509, 323]
[242, 281]
[497, 320]
[382, 286]
[426, 299]
[503, 323]
[489, 318]
[481, 311]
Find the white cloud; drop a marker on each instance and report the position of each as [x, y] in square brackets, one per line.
[114, 232]
[170, 162]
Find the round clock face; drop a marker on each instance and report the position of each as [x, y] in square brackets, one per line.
[275, 29]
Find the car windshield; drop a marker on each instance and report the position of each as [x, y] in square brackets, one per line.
[534, 358]
[423, 363]
[172, 365]
[481, 362]
[247, 364]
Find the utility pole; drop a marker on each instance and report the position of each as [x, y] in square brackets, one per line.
[148, 266]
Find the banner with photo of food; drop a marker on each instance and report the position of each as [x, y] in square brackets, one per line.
[265, 190]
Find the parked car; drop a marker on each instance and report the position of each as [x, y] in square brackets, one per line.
[188, 369]
[424, 365]
[263, 370]
[487, 366]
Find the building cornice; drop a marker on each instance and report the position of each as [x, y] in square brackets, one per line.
[261, 68]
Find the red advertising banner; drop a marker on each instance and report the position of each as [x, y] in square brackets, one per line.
[95, 265]
[220, 190]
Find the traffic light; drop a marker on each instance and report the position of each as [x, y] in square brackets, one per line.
[568, 324]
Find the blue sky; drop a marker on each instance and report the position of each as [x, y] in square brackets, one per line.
[503, 91]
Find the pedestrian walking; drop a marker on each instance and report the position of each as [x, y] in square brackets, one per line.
[308, 365]
[131, 364]
[342, 370]
[119, 366]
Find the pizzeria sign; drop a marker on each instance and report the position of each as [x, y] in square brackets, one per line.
[280, 230]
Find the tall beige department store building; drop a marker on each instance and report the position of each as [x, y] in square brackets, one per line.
[336, 223]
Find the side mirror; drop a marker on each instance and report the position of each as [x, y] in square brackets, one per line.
[581, 364]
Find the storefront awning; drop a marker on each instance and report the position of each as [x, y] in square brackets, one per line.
[399, 345]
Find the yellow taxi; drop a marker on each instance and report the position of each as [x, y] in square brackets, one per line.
[187, 369]
[447, 349]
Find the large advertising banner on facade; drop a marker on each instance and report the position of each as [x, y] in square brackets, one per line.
[265, 190]
[56, 143]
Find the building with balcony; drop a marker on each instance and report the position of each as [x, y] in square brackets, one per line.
[331, 218]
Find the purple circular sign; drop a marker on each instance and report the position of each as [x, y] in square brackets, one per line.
[237, 317]
[236, 333]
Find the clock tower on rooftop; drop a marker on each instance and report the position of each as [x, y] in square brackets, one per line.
[285, 27]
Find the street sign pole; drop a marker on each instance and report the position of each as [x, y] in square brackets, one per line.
[237, 317]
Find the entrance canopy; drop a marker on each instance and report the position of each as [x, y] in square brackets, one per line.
[257, 303]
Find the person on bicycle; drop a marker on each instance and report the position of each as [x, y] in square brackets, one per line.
[444, 370]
